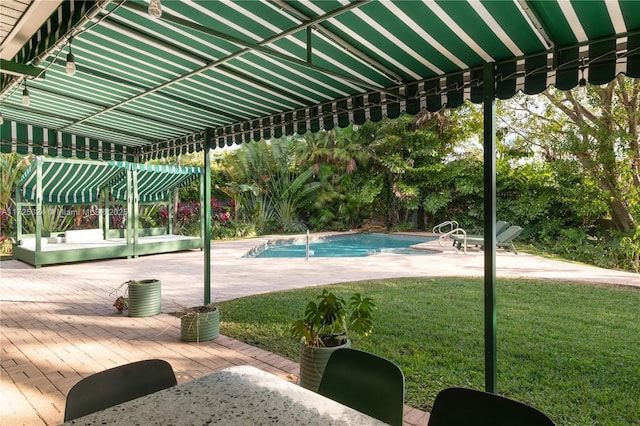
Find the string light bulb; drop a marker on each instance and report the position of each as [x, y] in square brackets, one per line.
[355, 127]
[582, 83]
[1, 120]
[25, 95]
[582, 86]
[155, 8]
[71, 60]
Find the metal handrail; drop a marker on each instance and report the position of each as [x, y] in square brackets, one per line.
[454, 231]
[438, 228]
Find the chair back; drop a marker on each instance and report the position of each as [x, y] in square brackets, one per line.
[509, 234]
[463, 407]
[365, 382]
[501, 226]
[117, 385]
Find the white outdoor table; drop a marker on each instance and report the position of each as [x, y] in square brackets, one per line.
[235, 396]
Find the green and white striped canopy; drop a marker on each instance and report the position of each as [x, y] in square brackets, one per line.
[251, 69]
[154, 182]
[66, 181]
[70, 182]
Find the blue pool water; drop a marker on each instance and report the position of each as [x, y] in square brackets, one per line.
[353, 245]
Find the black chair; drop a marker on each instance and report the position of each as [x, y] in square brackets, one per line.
[463, 407]
[365, 382]
[117, 385]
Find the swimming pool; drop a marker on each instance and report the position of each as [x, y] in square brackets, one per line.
[352, 245]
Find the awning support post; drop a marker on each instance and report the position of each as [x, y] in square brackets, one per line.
[206, 215]
[490, 346]
[39, 213]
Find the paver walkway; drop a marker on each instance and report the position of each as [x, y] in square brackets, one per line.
[58, 324]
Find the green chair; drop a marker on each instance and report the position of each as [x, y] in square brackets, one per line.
[503, 239]
[117, 385]
[501, 226]
[464, 407]
[365, 382]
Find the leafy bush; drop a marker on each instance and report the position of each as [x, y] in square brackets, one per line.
[232, 230]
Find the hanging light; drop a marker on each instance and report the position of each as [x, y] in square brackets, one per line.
[25, 95]
[355, 127]
[155, 8]
[71, 60]
[447, 112]
[582, 85]
[1, 120]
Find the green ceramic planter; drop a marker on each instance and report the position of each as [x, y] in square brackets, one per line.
[144, 298]
[198, 326]
[313, 362]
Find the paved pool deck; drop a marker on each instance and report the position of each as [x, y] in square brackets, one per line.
[58, 324]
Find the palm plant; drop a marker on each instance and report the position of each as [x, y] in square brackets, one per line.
[336, 156]
[268, 185]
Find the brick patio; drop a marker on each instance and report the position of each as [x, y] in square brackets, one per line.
[58, 323]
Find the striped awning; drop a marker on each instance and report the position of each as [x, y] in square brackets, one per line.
[66, 181]
[30, 139]
[80, 182]
[250, 69]
[154, 182]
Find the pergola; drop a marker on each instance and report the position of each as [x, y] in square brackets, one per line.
[201, 74]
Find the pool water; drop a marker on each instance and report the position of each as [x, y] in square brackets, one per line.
[353, 245]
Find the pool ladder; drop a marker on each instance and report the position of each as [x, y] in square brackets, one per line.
[454, 228]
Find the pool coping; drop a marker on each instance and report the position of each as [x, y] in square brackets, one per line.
[262, 246]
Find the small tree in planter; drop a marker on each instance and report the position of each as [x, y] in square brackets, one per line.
[325, 328]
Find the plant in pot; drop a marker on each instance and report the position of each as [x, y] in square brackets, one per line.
[326, 326]
[199, 323]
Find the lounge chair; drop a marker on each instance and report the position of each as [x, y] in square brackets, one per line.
[458, 234]
[501, 225]
[503, 240]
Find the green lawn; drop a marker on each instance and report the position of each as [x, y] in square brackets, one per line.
[572, 350]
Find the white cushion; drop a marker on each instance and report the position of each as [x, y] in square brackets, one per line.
[83, 236]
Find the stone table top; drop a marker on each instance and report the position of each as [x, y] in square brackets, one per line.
[241, 395]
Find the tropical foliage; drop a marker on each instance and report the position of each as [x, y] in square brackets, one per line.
[268, 187]
[12, 166]
[590, 145]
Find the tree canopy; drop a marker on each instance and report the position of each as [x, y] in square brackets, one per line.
[597, 129]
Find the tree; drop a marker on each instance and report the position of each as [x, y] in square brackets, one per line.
[266, 184]
[407, 151]
[339, 159]
[599, 130]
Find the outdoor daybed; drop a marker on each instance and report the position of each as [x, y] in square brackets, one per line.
[114, 186]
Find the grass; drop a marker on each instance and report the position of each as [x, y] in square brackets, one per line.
[568, 349]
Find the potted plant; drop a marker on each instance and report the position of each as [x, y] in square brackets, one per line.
[142, 298]
[199, 323]
[326, 327]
